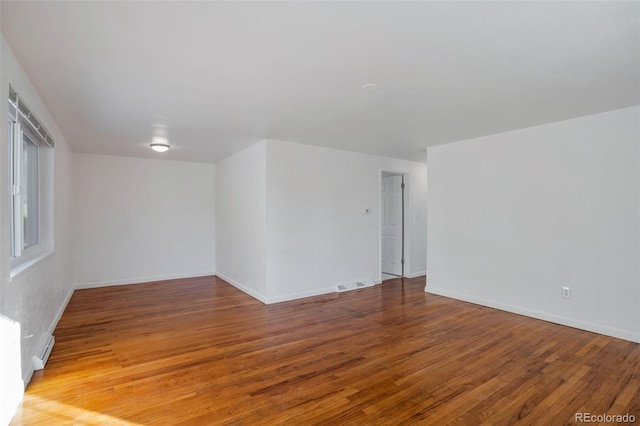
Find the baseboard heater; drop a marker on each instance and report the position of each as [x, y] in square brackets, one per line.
[40, 360]
[354, 285]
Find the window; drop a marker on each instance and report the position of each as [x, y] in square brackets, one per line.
[30, 204]
[30, 179]
[25, 192]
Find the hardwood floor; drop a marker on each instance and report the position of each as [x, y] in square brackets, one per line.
[200, 352]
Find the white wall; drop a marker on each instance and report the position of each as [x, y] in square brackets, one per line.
[140, 220]
[34, 299]
[317, 233]
[515, 216]
[240, 219]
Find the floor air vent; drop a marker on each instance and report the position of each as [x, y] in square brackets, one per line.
[354, 285]
[40, 360]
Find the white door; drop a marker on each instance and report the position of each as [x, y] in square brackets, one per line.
[392, 225]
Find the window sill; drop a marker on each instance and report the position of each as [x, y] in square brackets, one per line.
[24, 264]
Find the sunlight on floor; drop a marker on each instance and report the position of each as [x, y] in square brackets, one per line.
[52, 412]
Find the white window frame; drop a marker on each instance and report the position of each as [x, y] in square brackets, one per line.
[18, 188]
[15, 182]
[21, 125]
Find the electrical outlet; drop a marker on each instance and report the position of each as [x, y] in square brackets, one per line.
[566, 292]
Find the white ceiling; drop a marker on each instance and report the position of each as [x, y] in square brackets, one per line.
[220, 76]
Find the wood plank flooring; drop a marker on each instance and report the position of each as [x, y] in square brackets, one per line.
[200, 352]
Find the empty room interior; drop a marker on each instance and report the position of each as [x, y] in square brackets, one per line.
[319, 213]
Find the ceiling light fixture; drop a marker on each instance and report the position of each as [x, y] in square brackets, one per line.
[370, 87]
[160, 144]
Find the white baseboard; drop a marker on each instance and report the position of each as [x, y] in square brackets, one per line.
[243, 288]
[545, 316]
[416, 274]
[26, 377]
[369, 282]
[56, 319]
[284, 297]
[140, 280]
[300, 295]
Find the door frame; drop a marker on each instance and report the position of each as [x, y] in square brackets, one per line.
[406, 237]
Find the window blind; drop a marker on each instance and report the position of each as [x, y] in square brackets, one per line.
[19, 111]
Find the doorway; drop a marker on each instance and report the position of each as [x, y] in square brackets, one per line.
[392, 225]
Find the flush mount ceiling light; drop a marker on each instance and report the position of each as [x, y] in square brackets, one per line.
[160, 144]
[370, 87]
